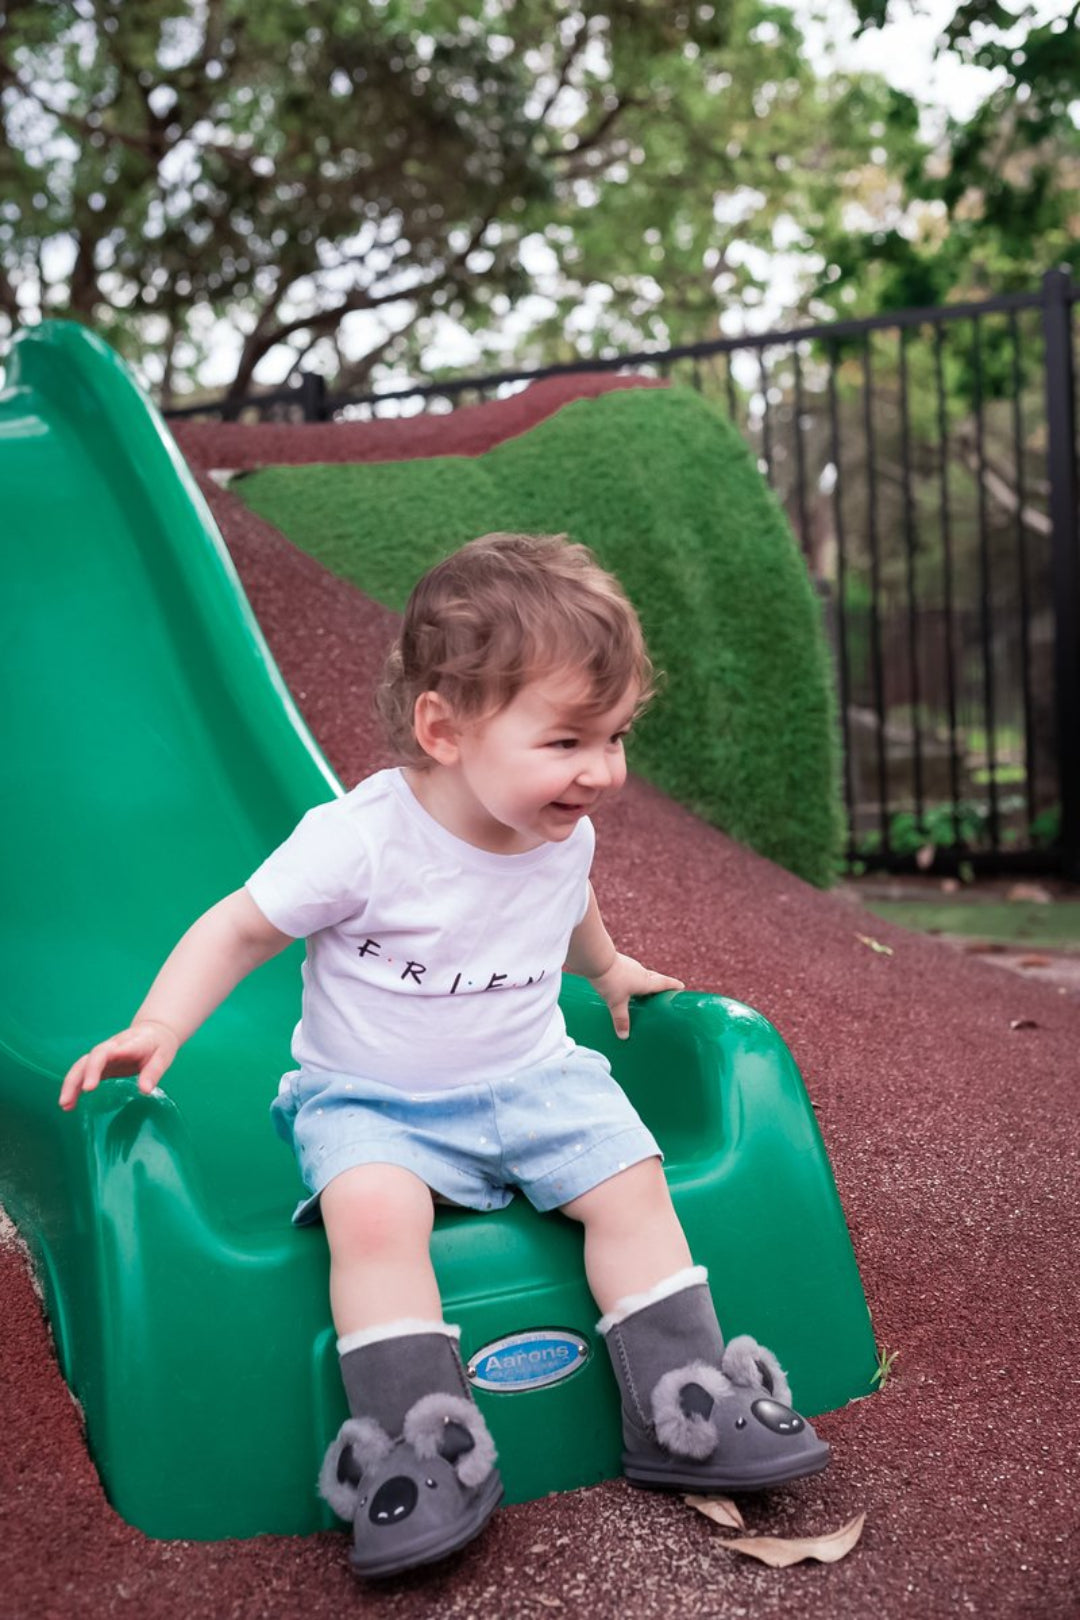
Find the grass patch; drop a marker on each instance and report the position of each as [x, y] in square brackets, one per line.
[667, 495]
[887, 1360]
[1052, 927]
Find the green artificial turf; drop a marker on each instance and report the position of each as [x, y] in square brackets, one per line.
[668, 496]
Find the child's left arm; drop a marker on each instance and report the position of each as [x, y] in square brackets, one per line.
[593, 954]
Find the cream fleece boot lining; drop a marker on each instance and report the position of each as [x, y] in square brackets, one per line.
[690, 1277]
[394, 1330]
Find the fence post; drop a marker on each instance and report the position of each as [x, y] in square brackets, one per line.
[313, 396]
[1061, 463]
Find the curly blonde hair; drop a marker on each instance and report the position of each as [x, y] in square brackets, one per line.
[503, 611]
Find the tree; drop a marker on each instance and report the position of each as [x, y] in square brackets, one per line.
[726, 179]
[332, 178]
[997, 202]
[289, 166]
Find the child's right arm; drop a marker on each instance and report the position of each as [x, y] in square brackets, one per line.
[221, 948]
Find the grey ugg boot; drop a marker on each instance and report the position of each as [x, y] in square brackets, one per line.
[414, 1466]
[697, 1416]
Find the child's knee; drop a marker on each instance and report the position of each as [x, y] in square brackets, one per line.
[377, 1207]
[639, 1189]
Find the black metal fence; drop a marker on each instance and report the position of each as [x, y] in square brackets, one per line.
[927, 462]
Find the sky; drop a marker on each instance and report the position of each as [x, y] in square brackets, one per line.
[902, 52]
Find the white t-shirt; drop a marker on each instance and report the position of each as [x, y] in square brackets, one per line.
[429, 962]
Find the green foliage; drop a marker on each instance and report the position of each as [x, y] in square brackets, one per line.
[750, 150]
[966, 825]
[329, 182]
[286, 164]
[333, 179]
[996, 205]
[1046, 828]
[887, 1360]
[667, 495]
[940, 827]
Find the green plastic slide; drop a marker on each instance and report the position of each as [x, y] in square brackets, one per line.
[152, 757]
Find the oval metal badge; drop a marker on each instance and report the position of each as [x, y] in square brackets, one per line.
[528, 1360]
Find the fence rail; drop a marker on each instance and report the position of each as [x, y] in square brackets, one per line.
[927, 462]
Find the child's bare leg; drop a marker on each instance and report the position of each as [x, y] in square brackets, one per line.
[633, 1239]
[378, 1220]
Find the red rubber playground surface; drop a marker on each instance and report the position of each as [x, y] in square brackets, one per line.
[947, 1094]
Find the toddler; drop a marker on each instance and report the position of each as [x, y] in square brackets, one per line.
[440, 901]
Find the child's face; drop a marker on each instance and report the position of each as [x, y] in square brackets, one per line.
[528, 774]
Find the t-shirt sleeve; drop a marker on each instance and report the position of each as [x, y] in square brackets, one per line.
[317, 877]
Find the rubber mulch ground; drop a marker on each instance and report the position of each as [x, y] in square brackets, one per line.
[947, 1093]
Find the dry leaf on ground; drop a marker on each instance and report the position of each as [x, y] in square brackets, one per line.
[875, 945]
[1032, 893]
[719, 1509]
[1022, 1023]
[779, 1551]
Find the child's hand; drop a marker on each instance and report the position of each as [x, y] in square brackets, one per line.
[146, 1050]
[626, 978]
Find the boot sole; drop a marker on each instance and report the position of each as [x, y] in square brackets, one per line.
[438, 1545]
[676, 1477]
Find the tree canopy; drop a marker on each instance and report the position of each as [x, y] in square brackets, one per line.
[335, 176]
[333, 180]
[997, 201]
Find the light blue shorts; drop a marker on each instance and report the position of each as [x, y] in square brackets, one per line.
[555, 1131]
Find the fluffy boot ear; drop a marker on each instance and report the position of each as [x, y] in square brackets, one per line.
[682, 1407]
[750, 1366]
[359, 1445]
[450, 1426]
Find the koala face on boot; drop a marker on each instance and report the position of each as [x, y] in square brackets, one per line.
[735, 1420]
[417, 1497]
